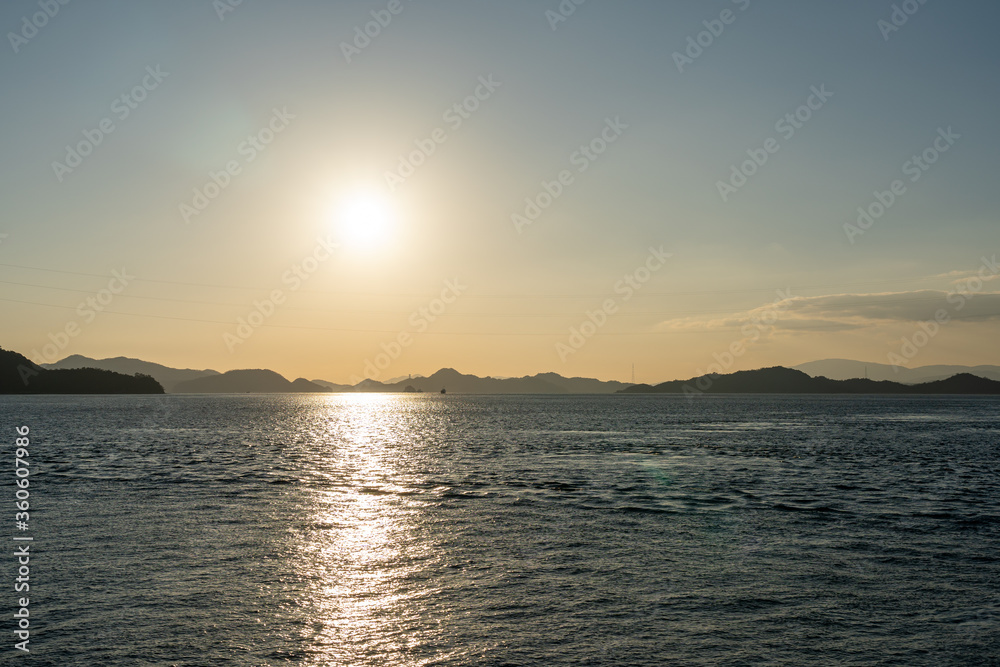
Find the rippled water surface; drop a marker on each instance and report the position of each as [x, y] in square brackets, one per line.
[474, 530]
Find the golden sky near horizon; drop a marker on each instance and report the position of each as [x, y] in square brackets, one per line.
[268, 189]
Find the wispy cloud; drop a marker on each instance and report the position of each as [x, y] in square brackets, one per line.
[839, 312]
[957, 277]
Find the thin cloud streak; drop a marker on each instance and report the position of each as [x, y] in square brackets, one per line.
[840, 312]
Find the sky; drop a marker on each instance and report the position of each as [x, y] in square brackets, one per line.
[376, 189]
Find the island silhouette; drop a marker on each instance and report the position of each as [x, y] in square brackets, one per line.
[780, 380]
[19, 375]
[78, 374]
[252, 381]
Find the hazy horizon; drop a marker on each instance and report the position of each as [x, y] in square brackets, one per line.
[502, 189]
[838, 368]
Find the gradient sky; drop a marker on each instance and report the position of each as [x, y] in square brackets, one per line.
[522, 289]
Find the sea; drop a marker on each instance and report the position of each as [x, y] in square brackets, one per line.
[378, 529]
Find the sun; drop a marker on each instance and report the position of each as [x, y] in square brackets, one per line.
[364, 219]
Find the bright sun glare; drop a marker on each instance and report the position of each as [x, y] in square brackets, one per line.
[365, 220]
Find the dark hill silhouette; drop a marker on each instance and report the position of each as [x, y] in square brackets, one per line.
[166, 376]
[332, 386]
[780, 380]
[253, 381]
[578, 385]
[846, 369]
[176, 380]
[19, 375]
[459, 383]
[305, 386]
[963, 383]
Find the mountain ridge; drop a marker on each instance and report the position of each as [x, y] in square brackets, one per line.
[781, 380]
[247, 381]
[167, 377]
[455, 382]
[176, 380]
[846, 369]
[19, 375]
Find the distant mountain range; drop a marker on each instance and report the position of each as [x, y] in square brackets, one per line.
[19, 375]
[333, 386]
[827, 371]
[255, 381]
[457, 383]
[779, 380]
[845, 369]
[168, 377]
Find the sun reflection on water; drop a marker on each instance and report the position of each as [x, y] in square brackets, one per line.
[360, 546]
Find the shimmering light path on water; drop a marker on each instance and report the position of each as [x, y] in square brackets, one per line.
[474, 530]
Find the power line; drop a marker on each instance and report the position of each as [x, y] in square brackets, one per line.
[549, 315]
[394, 332]
[663, 315]
[594, 295]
